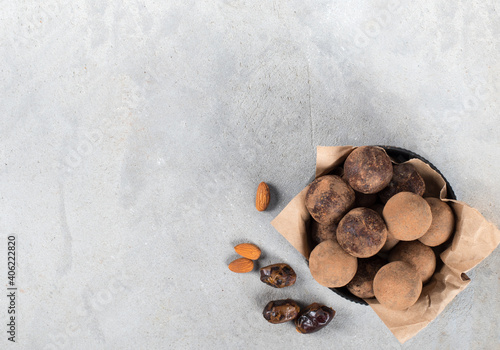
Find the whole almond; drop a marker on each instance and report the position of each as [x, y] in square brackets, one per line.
[241, 265]
[248, 250]
[263, 197]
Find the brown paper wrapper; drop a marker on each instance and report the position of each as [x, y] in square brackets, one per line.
[475, 238]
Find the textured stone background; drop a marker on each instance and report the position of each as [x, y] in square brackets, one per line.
[133, 136]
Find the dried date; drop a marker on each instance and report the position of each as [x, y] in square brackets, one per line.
[280, 311]
[278, 275]
[313, 318]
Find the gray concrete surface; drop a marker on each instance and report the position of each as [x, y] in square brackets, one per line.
[133, 136]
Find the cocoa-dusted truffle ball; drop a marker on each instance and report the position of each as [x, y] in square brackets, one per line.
[320, 233]
[405, 179]
[362, 232]
[389, 243]
[443, 223]
[362, 283]
[407, 215]
[328, 199]
[416, 254]
[397, 285]
[331, 266]
[368, 169]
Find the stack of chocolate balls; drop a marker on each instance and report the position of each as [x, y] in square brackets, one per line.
[374, 231]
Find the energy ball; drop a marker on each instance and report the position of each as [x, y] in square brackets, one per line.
[362, 283]
[416, 254]
[443, 223]
[328, 199]
[389, 243]
[320, 233]
[397, 285]
[407, 215]
[405, 179]
[362, 232]
[368, 169]
[331, 266]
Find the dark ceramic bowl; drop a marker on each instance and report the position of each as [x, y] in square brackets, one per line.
[399, 155]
